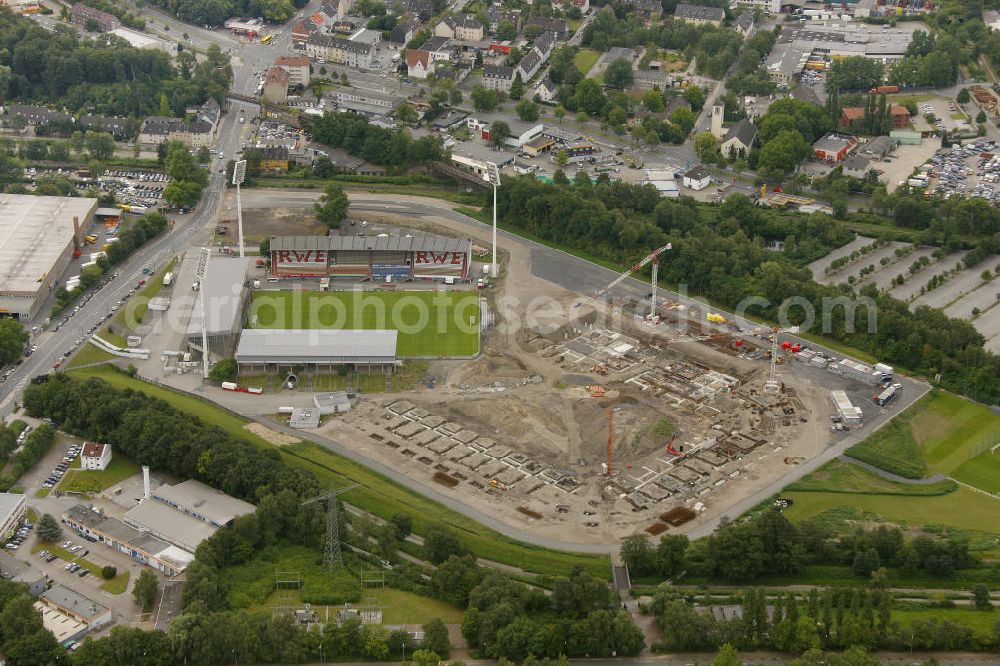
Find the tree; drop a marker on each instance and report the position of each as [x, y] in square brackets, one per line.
[589, 97]
[108, 572]
[963, 96]
[182, 193]
[619, 74]
[705, 146]
[100, 145]
[225, 370]
[527, 110]
[981, 117]
[484, 99]
[375, 641]
[331, 209]
[436, 638]
[407, 113]
[441, 543]
[866, 562]
[499, 133]
[144, 591]
[727, 657]
[516, 87]
[49, 529]
[981, 594]
[653, 101]
[695, 95]
[637, 555]
[204, 157]
[560, 113]
[506, 30]
[562, 158]
[559, 178]
[403, 525]
[13, 338]
[425, 658]
[180, 164]
[164, 109]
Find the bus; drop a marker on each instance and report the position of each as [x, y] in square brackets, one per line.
[266, 39]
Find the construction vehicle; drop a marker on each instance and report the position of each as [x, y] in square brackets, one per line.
[653, 257]
[499, 485]
[715, 318]
[600, 368]
[670, 446]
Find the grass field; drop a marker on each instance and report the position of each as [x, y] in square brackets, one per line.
[965, 509]
[981, 622]
[90, 353]
[254, 584]
[93, 481]
[585, 59]
[838, 476]
[430, 323]
[379, 494]
[401, 607]
[940, 433]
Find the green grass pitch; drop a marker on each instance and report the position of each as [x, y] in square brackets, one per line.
[430, 323]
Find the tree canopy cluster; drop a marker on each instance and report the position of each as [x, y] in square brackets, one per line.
[36, 445]
[787, 132]
[103, 74]
[13, 337]
[391, 148]
[721, 251]
[215, 12]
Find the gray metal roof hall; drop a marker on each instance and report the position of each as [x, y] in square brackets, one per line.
[417, 243]
[316, 346]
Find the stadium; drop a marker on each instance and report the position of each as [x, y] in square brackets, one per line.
[373, 257]
[363, 328]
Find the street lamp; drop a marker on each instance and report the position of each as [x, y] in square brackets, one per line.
[239, 174]
[492, 176]
[200, 271]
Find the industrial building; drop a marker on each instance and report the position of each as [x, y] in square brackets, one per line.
[847, 411]
[40, 235]
[337, 402]
[185, 514]
[13, 508]
[70, 615]
[225, 296]
[664, 182]
[268, 350]
[822, 43]
[139, 545]
[16, 571]
[834, 147]
[422, 256]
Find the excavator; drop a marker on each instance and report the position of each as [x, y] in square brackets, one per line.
[670, 446]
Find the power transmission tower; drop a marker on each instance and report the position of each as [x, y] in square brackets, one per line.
[331, 551]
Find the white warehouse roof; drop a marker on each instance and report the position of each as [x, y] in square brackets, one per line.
[221, 289]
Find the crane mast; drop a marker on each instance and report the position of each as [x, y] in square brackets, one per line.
[653, 257]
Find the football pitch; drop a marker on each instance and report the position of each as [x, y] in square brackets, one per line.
[430, 324]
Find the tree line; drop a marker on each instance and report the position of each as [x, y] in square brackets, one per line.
[721, 251]
[215, 12]
[393, 148]
[103, 74]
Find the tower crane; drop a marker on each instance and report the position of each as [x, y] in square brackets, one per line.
[653, 257]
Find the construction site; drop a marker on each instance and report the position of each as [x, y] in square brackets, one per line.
[628, 418]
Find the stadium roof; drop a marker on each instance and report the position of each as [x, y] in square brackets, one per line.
[316, 346]
[36, 231]
[168, 523]
[221, 289]
[422, 242]
[203, 502]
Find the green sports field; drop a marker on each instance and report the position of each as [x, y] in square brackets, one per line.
[431, 324]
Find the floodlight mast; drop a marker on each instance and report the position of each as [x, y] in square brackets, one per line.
[239, 175]
[200, 272]
[492, 176]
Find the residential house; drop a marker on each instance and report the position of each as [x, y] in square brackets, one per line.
[199, 132]
[546, 90]
[648, 10]
[333, 49]
[856, 166]
[81, 14]
[420, 9]
[95, 456]
[582, 5]
[419, 63]
[545, 44]
[297, 68]
[852, 117]
[300, 33]
[118, 126]
[495, 16]
[744, 24]
[33, 116]
[529, 65]
[647, 79]
[273, 158]
[439, 48]
[498, 77]
[766, 6]
[337, 9]
[403, 32]
[700, 15]
[697, 178]
[276, 85]
[464, 28]
[559, 26]
[739, 140]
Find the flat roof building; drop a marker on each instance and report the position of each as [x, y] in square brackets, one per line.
[16, 571]
[225, 296]
[141, 546]
[39, 236]
[142, 40]
[269, 349]
[13, 508]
